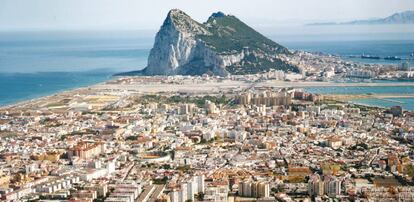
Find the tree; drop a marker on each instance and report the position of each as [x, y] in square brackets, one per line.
[200, 196]
[131, 138]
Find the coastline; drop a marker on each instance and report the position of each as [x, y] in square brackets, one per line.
[217, 86]
[32, 100]
[23, 88]
[366, 105]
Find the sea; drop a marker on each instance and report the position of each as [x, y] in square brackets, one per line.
[35, 64]
[17, 87]
[406, 103]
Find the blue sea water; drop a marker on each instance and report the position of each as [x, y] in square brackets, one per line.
[34, 52]
[363, 90]
[349, 40]
[346, 49]
[24, 86]
[406, 103]
[38, 64]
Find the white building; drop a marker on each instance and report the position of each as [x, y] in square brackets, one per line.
[199, 183]
[217, 193]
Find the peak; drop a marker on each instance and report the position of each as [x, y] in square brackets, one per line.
[176, 13]
[178, 20]
[218, 14]
[404, 13]
[176, 16]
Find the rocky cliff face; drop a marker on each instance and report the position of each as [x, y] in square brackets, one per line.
[175, 44]
[223, 45]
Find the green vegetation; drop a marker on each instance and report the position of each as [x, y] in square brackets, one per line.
[204, 141]
[230, 34]
[77, 133]
[253, 65]
[149, 98]
[409, 170]
[200, 196]
[166, 166]
[199, 101]
[131, 138]
[161, 180]
[334, 106]
[359, 146]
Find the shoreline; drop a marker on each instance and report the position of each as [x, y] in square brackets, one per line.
[164, 87]
[367, 105]
[36, 99]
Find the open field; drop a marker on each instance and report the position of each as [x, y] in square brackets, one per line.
[104, 93]
[231, 84]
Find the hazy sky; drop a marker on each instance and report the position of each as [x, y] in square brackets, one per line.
[149, 14]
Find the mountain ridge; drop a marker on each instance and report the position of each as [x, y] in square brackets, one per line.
[406, 17]
[222, 45]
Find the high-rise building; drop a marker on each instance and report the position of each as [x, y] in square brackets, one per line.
[190, 190]
[254, 189]
[199, 183]
[263, 190]
[183, 196]
[267, 98]
[315, 186]
[245, 188]
[210, 107]
[217, 193]
[332, 186]
[174, 196]
[186, 109]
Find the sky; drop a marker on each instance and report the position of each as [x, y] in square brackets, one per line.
[149, 14]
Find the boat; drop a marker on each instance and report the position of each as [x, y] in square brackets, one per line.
[392, 58]
[370, 57]
[412, 54]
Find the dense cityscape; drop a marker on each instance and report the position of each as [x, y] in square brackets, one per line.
[217, 113]
[183, 138]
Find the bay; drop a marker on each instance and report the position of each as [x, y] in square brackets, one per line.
[36, 64]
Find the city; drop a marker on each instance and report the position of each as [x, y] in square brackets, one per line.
[206, 101]
[240, 141]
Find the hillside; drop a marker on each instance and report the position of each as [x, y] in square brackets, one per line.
[223, 45]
